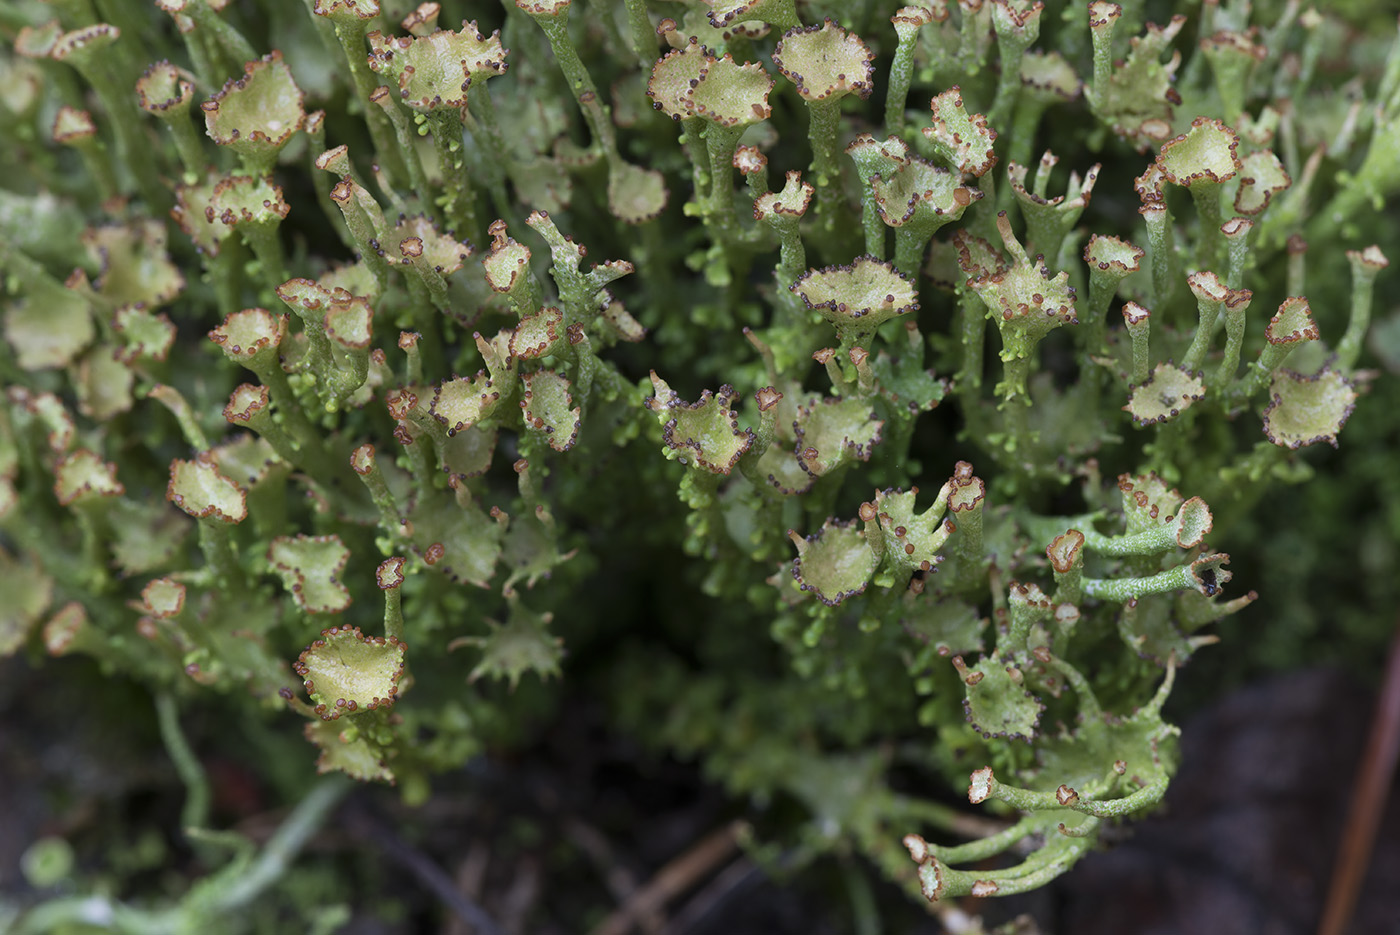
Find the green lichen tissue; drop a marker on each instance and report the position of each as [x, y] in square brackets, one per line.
[827, 391]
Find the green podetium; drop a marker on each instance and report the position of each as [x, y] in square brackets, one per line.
[425, 415]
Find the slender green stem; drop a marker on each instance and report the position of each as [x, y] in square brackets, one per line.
[187, 143]
[364, 228]
[1031, 874]
[1239, 246]
[310, 455]
[99, 166]
[580, 82]
[971, 311]
[281, 849]
[1024, 122]
[393, 613]
[224, 271]
[95, 540]
[1208, 311]
[1009, 82]
[216, 542]
[1148, 542]
[383, 498]
[1206, 195]
[458, 200]
[195, 812]
[267, 247]
[641, 33]
[1234, 341]
[485, 123]
[407, 145]
[126, 123]
[206, 67]
[1364, 269]
[826, 171]
[719, 143]
[910, 242]
[693, 138]
[792, 254]
[863, 906]
[1126, 589]
[1163, 252]
[420, 462]
[235, 49]
[1103, 286]
[876, 237]
[1140, 333]
[170, 398]
[901, 77]
[990, 846]
[351, 36]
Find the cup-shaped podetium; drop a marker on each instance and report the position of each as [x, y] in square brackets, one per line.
[912, 539]
[729, 94]
[251, 205]
[165, 90]
[1290, 327]
[349, 321]
[1050, 219]
[1212, 296]
[832, 432]
[834, 563]
[1167, 393]
[162, 598]
[348, 14]
[859, 298]
[346, 672]
[672, 76]
[726, 13]
[201, 490]
[1366, 265]
[921, 195]
[546, 407]
[82, 477]
[1110, 261]
[878, 157]
[415, 242]
[1047, 79]
[423, 20]
[790, 203]
[704, 433]
[825, 62]
[1233, 56]
[257, 114]
[507, 266]
[1202, 160]
[1203, 155]
[1137, 96]
[1304, 410]
[435, 71]
[310, 568]
[1262, 176]
[134, 267]
[194, 213]
[917, 199]
[1026, 302]
[963, 140]
[251, 337]
[73, 127]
